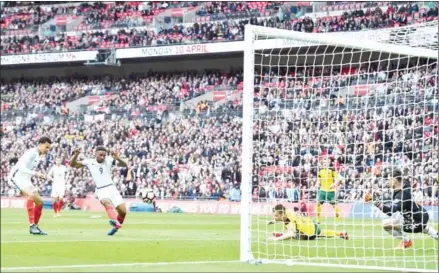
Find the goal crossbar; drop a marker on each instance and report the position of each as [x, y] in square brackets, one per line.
[339, 41]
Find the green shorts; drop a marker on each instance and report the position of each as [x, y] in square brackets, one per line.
[326, 196]
[300, 236]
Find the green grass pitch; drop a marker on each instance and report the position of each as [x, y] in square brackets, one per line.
[77, 242]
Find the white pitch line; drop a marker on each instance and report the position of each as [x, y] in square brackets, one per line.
[87, 222]
[376, 258]
[116, 239]
[112, 265]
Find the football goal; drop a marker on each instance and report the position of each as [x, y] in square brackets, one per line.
[351, 105]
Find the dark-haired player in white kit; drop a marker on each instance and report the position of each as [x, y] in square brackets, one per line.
[58, 175]
[20, 178]
[406, 215]
[100, 170]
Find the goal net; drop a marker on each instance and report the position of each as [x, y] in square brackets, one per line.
[347, 108]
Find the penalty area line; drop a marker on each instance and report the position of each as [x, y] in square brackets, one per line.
[112, 265]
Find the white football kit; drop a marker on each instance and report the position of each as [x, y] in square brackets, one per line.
[22, 172]
[101, 173]
[59, 174]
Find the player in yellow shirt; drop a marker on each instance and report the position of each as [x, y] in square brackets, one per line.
[299, 227]
[329, 180]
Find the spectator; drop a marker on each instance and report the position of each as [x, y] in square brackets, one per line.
[226, 30]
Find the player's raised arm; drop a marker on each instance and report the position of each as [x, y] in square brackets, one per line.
[120, 162]
[74, 163]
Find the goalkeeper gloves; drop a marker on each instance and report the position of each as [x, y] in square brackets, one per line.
[378, 204]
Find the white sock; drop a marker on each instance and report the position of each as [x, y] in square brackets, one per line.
[431, 232]
[398, 234]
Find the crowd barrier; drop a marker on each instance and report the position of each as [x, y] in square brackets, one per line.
[347, 210]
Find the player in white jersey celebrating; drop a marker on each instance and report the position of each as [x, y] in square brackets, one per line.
[20, 178]
[58, 174]
[100, 170]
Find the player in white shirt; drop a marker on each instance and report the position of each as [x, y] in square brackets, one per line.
[58, 175]
[20, 178]
[100, 170]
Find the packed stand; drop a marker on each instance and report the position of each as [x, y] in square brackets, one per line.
[349, 5]
[198, 156]
[188, 157]
[98, 15]
[366, 142]
[215, 11]
[25, 20]
[17, 4]
[371, 18]
[230, 30]
[124, 14]
[124, 94]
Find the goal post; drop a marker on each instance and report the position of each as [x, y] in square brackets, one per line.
[350, 99]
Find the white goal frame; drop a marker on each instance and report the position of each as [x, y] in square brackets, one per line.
[251, 33]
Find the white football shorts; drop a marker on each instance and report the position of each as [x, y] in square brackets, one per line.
[21, 182]
[110, 193]
[58, 192]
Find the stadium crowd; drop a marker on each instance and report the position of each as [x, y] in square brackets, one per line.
[125, 14]
[197, 154]
[50, 95]
[26, 17]
[225, 30]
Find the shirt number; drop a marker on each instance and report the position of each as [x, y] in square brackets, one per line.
[101, 170]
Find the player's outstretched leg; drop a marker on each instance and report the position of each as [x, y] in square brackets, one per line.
[122, 212]
[393, 226]
[332, 233]
[112, 215]
[431, 232]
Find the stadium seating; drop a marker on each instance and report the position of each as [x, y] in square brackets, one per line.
[124, 14]
[25, 20]
[196, 153]
[49, 95]
[87, 38]
[348, 5]
[216, 11]
[199, 150]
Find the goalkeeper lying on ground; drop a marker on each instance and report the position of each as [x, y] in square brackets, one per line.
[299, 227]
